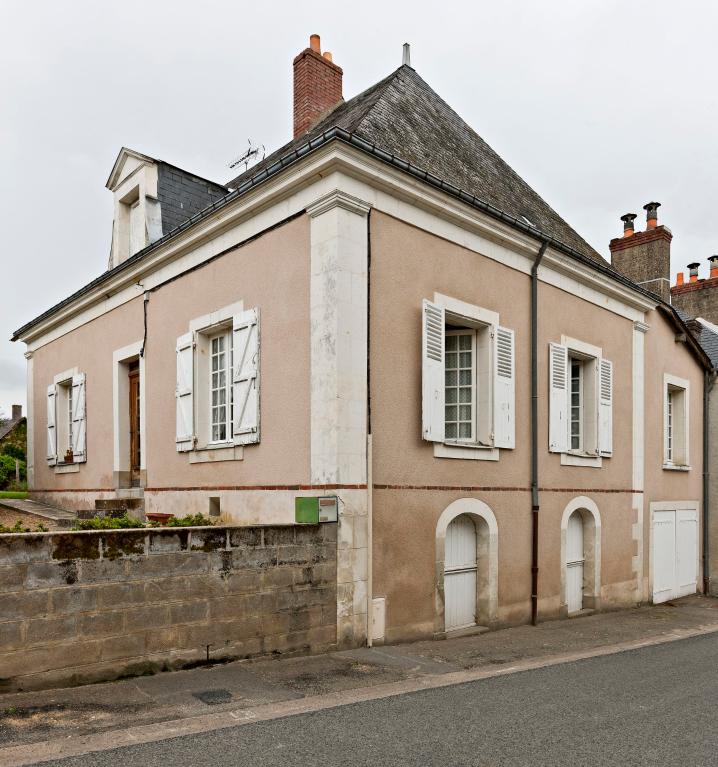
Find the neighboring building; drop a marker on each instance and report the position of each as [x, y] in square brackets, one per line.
[14, 430]
[355, 318]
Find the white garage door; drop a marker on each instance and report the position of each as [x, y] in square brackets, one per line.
[460, 574]
[675, 554]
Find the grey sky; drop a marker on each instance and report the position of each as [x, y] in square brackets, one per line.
[601, 105]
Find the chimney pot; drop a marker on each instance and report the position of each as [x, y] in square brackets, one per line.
[327, 55]
[628, 226]
[315, 43]
[713, 260]
[693, 271]
[651, 209]
[406, 55]
[16, 412]
[679, 278]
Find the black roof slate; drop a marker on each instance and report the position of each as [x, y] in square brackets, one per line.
[402, 115]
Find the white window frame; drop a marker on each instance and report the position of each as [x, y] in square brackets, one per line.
[586, 353]
[680, 460]
[485, 322]
[203, 329]
[224, 333]
[63, 419]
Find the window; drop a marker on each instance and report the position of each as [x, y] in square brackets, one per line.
[66, 423]
[468, 380]
[217, 393]
[675, 423]
[581, 402]
[220, 387]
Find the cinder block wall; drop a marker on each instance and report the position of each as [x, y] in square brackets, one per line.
[78, 607]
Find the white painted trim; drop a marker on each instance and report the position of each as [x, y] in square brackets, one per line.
[119, 357]
[469, 311]
[339, 167]
[338, 199]
[575, 459]
[216, 453]
[681, 383]
[67, 468]
[207, 322]
[477, 509]
[30, 415]
[638, 454]
[65, 376]
[466, 452]
[576, 345]
[582, 502]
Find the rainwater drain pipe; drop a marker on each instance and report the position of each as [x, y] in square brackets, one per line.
[534, 435]
[708, 383]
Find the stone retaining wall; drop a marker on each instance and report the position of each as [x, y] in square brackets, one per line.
[78, 607]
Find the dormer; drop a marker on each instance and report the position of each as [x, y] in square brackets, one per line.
[152, 198]
[137, 220]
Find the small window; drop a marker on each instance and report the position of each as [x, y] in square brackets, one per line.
[460, 385]
[220, 385]
[64, 419]
[675, 451]
[577, 395]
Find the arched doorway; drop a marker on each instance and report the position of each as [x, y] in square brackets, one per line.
[466, 566]
[580, 556]
[460, 574]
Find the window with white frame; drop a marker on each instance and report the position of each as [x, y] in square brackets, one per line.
[675, 422]
[217, 390]
[468, 378]
[581, 400]
[66, 420]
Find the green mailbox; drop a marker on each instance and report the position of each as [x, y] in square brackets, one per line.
[313, 510]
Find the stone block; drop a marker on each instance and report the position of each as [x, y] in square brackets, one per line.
[241, 629]
[120, 544]
[295, 555]
[208, 540]
[144, 616]
[128, 646]
[161, 640]
[46, 630]
[78, 545]
[330, 532]
[183, 563]
[168, 541]
[114, 595]
[91, 625]
[278, 578]
[188, 612]
[11, 637]
[245, 536]
[72, 599]
[12, 578]
[42, 575]
[170, 589]
[254, 559]
[308, 534]
[279, 536]
[235, 607]
[18, 549]
[243, 582]
[40, 659]
[30, 604]
[101, 570]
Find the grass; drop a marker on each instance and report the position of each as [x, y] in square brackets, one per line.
[13, 494]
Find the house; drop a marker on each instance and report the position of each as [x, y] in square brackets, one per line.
[382, 310]
[14, 430]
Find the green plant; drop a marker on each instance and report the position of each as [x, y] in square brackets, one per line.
[191, 520]
[7, 469]
[106, 523]
[18, 527]
[14, 451]
[13, 494]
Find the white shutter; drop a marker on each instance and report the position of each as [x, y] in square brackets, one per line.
[51, 427]
[184, 435]
[504, 389]
[79, 425]
[245, 377]
[558, 399]
[605, 407]
[432, 372]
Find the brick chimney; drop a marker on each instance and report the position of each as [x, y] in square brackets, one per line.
[16, 412]
[317, 86]
[697, 297]
[645, 257]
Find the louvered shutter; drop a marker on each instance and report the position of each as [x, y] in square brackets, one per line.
[504, 389]
[51, 425]
[79, 422]
[558, 399]
[245, 377]
[432, 372]
[605, 407]
[184, 435]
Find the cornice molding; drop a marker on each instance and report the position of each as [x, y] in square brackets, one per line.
[641, 327]
[338, 199]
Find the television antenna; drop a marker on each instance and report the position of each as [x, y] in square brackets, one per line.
[251, 156]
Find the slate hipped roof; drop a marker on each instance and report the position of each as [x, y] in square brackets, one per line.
[403, 116]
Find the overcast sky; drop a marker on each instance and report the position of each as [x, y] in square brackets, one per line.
[601, 105]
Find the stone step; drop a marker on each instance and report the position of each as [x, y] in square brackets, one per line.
[42, 510]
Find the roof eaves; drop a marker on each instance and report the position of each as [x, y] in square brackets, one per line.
[678, 322]
[302, 151]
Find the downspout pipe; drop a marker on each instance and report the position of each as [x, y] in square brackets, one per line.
[708, 383]
[535, 505]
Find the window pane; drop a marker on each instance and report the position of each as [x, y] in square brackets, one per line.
[465, 377]
[465, 341]
[450, 378]
[465, 394]
[464, 431]
[450, 431]
[451, 395]
[451, 343]
[450, 411]
[450, 360]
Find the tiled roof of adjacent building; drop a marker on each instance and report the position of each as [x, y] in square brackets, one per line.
[10, 425]
[404, 116]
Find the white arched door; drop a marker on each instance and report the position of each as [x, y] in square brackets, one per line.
[574, 563]
[460, 574]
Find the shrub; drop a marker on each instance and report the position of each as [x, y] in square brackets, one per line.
[106, 523]
[14, 451]
[191, 520]
[7, 470]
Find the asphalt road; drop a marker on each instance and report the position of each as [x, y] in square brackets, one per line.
[655, 706]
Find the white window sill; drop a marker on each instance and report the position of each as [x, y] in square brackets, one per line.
[225, 451]
[675, 467]
[466, 452]
[67, 468]
[581, 459]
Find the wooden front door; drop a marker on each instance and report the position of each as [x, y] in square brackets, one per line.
[135, 453]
